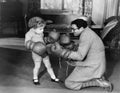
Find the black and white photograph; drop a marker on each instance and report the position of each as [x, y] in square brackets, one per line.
[59, 46]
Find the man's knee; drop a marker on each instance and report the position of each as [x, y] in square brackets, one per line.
[72, 85]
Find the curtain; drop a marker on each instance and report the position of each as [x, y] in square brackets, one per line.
[73, 5]
[88, 7]
[111, 8]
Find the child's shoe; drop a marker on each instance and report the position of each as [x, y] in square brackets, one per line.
[55, 80]
[36, 82]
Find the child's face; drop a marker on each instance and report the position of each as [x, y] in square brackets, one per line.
[40, 27]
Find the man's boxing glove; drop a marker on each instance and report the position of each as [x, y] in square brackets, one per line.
[70, 46]
[52, 37]
[66, 42]
[64, 39]
[48, 48]
[60, 51]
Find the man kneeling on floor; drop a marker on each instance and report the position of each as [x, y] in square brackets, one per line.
[89, 59]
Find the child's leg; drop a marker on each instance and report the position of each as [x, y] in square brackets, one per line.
[36, 68]
[46, 61]
[37, 63]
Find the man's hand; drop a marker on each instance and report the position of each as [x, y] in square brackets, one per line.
[57, 49]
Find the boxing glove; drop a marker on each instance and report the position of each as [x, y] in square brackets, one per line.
[48, 48]
[64, 39]
[52, 37]
[60, 51]
[40, 49]
[70, 46]
[66, 42]
[37, 47]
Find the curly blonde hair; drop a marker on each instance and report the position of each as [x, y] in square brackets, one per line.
[34, 21]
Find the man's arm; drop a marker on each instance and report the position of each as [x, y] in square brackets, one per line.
[83, 49]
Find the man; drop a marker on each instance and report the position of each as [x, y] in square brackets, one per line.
[89, 59]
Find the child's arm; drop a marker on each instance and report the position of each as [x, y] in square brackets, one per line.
[28, 38]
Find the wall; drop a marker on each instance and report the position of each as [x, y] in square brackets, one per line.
[25, 4]
[59, 18]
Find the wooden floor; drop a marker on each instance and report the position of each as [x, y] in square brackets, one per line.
[16, 71]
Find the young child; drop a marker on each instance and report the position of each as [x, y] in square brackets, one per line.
[35, 34]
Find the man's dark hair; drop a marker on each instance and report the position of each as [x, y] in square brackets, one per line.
[79, 23]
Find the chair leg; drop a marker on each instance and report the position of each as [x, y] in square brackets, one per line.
[67, 69]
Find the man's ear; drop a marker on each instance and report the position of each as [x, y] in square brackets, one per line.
[81, 28]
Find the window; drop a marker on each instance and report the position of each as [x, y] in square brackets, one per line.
[82, 7]
[51, 4]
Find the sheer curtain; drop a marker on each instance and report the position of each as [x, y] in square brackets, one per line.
[73, 5]
[111, 8]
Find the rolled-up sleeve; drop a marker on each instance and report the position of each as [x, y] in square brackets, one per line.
[83, 49]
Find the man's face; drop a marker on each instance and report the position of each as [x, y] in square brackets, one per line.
[76, 30]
